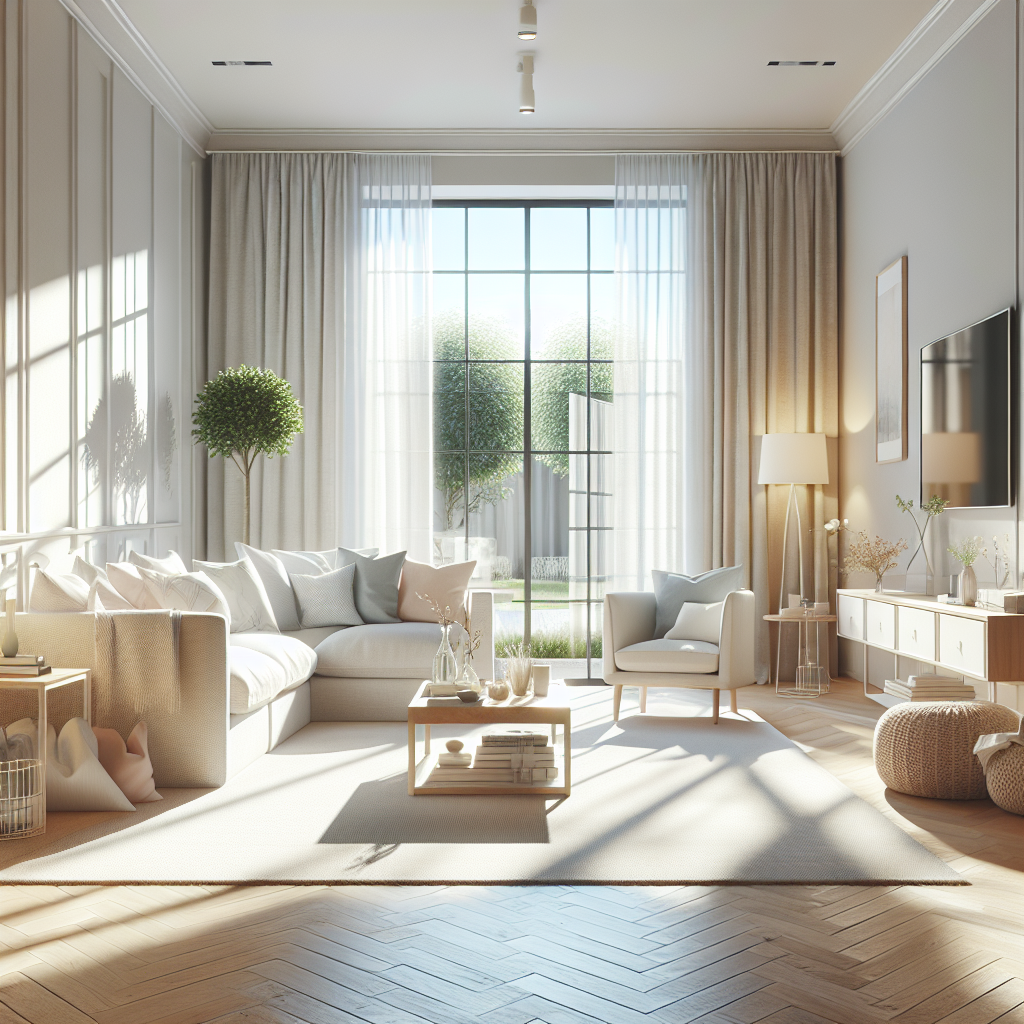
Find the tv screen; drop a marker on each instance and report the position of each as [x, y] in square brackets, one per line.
[966, 417]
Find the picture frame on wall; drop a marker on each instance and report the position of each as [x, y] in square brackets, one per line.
[891, 362]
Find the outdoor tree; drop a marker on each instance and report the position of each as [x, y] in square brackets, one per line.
[245, 412]
[494, 403]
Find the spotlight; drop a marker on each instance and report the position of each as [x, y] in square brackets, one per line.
[528, 21]
[527, 103]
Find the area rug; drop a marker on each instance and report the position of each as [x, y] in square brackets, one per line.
[666, 797]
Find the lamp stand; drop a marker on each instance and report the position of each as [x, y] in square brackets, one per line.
[790, 503]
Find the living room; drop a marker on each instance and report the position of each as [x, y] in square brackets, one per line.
[416, 417]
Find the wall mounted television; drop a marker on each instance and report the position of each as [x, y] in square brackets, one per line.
[967, 415]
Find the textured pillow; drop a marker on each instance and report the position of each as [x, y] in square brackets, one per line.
[128, 766]
[672, 589]
[446, 585]
[172, 565]
[86, 571]
[376, 586]
[104, 598]
[52, 593]
[698, 622]
[186, 592]
[327, 599]
[276, 583]
[244, 591]
[127, 581]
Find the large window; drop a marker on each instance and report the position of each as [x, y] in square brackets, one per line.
[523, 330]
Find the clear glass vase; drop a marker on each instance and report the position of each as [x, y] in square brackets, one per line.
[446, 668]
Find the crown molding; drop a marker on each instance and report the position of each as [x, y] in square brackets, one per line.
[934, 36]
[552, 141]
[115, 34]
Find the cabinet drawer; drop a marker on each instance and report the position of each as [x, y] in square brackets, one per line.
[851, 617]
[881, 625]
[917, 633]
[962, 644]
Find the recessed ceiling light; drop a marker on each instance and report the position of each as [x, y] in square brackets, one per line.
[527, 101]
[528, 21]
[241, 63]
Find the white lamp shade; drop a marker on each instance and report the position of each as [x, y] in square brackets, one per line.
[793, 459]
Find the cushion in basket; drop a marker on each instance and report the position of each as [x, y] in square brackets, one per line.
[695, 657]
[403, 650]
[264, 665]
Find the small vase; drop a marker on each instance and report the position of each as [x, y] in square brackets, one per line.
[878, 585]
[445, 669]
[968, 586]
[9, 645]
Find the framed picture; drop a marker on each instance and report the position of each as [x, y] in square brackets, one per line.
[891, 363]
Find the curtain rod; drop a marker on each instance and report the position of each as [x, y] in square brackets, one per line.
[539, 152]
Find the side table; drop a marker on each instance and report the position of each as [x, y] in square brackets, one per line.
[812, 677]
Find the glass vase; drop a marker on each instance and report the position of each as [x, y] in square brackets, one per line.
[445, 669]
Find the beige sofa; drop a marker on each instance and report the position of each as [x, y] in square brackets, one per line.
[241, 694]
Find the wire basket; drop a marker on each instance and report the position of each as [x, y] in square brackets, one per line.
[22, 799]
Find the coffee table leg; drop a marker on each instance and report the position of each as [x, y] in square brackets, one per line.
[426, 740]
[567, 756]
[87, 697]
[41, 744]
[554, 733]
[412, 756]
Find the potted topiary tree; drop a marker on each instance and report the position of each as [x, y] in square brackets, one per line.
[243, 412]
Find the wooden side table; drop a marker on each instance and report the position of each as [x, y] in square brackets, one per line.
[42, 685]
[809, 673]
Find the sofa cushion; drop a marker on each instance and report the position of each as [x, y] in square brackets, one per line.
[276, 583]
[687, 656]
[172, 565]
[314, 635]
[326, 599]
[403, 650]
[671, 589]
[445, 585]
[245, 594]
[376, 584]
[57, 593]
[265, 665]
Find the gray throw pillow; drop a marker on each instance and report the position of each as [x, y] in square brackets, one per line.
[376, 586]
[326, 600]
[672, 589]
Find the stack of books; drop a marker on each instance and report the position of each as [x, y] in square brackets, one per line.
[501, 758]
[930, 687]
[24, 665]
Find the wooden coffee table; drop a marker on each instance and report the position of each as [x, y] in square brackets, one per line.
[552, 710]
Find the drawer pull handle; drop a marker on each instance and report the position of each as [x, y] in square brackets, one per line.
[960, 647]
[913, 635]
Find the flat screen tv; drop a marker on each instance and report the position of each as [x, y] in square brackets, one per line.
[966, 416]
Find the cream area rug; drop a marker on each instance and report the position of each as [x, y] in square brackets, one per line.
[666, 797]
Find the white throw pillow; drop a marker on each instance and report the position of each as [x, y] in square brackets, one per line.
[276, 583]
[244, 591]
[327, 599]
[445, 584]
[51, 593]
[186, 592]
[172, 565]
[128, 582]
[104, 598]
[87, 571]
[309, 563]
[698, 622]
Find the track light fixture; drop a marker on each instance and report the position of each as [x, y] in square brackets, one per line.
[528, 21]
[527, 102]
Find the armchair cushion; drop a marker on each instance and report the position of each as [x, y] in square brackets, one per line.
[672, 589]
[693, 657]
[698, 621]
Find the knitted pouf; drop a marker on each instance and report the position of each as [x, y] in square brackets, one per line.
[927, 749]
[1005, 778]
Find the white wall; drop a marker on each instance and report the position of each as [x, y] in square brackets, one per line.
[102, 214]
[934, 180]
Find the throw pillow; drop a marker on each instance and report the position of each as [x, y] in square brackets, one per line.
[672, 589]
[129, 766]
[87, 571]
[446, 584]
[244, 591]
[186, 592]
[276, 583]
[376, 587]
[698, 621]
[172, 565]
[310, 563]
[51, 593]
[327, 599]
[104, 598]
[126, 580]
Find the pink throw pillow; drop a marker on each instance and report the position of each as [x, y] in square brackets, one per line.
[446, 584]
[130, 767]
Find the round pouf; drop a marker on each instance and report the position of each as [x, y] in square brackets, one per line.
[927, 749]
[1006, 778]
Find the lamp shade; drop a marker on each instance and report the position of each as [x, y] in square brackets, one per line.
[793, 459]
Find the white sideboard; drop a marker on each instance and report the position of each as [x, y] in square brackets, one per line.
[981, 645]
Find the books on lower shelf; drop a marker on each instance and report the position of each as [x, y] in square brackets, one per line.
[494, 764]
[930, 687]
[513, 738]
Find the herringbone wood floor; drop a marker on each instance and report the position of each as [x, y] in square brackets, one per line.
[563, 955]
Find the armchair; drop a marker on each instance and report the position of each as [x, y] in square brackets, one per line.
[632, 657]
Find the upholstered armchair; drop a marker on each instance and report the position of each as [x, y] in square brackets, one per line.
[633, 657]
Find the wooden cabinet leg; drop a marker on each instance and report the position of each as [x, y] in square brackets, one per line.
[616, 702]
[643, 700]
[733, 703]
[714, 707]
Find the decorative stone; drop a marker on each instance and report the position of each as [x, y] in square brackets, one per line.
[455, 745]
[498, 690]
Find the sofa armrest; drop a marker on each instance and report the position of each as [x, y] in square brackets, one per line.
[736, 643]
[629, 618]
[481, 616]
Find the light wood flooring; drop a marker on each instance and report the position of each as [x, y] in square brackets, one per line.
[562, 955]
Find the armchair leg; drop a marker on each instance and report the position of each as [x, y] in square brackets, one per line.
[643, 700]
[616, 702]
[714, 707]
[733, 703]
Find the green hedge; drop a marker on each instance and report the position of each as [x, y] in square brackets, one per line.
[549, 645]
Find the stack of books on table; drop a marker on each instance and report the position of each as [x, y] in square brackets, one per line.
[24, 665]
[502, 758]
[930, 687]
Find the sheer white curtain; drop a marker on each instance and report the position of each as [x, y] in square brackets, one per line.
[320, 270]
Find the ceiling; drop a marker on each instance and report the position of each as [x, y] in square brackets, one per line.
[450, 64]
